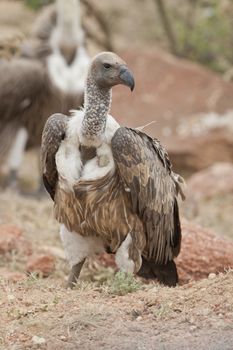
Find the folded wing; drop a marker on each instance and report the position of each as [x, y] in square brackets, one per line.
[53, 134]
[145, 169]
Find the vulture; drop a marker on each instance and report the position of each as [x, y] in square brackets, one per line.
[113, 187]
[49, 77]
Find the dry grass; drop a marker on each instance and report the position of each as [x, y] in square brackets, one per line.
[94, 315]
[65, 318]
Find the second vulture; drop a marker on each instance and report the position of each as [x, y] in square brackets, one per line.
[113, 187]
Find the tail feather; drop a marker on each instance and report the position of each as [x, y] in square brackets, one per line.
[165, 274]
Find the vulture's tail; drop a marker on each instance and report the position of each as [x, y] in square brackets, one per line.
[165, 273]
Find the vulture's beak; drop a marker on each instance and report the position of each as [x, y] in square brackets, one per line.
[126, 77]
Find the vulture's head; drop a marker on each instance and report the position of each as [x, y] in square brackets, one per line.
[107, 69]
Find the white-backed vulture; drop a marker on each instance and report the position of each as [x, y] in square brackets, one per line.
[48, 78]
[113, 187]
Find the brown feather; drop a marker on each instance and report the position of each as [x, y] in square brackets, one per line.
[145, 168]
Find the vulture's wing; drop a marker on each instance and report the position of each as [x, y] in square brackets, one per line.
[53, 134]
[145, 169]
[22, 82]
[24, 88]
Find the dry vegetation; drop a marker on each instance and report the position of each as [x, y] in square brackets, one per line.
[40, 313]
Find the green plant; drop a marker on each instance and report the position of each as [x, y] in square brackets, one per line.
[123, 283]
[201, 31]
[208, 39]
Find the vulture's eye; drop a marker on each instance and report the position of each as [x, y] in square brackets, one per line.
[107, 65]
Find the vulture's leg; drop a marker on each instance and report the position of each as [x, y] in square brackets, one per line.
[15, 157]
[77, 249]
[166, 274]
[74, 274]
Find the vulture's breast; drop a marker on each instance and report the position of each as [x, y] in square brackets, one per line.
[97, 203]
[91, 198]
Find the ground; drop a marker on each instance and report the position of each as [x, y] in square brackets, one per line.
[188, 317]
[41, 313]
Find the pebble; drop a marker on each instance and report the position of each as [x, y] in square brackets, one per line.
[63, 338]
[10, 297]
[38, 340]
[139, 318]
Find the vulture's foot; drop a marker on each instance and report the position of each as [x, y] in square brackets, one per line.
[74, 274]
[166, 274]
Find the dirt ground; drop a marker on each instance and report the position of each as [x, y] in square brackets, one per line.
[189, 317]
[41, 313]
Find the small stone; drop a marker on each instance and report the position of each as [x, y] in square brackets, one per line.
[63, 338]
[212, 276]
[11, 297]
[38, 340]
[139, 318]
[191, 320]
[204, 312]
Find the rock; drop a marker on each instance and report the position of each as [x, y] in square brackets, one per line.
[11, 239]
[203, 253]
[209, 196]
[191, 105]
[202, 151]
[44, 265]
[215, 180]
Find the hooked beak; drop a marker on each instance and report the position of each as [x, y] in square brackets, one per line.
[126, 77]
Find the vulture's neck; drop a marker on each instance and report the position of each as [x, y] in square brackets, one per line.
[97, 102]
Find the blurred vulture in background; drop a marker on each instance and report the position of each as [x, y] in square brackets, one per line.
[48, 77]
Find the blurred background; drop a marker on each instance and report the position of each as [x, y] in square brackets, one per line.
[181, 55]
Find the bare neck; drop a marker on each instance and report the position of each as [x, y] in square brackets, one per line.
[97, 102]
